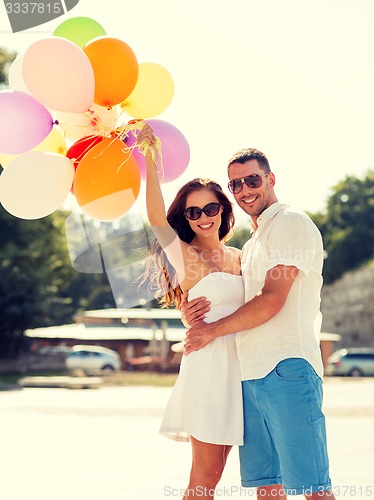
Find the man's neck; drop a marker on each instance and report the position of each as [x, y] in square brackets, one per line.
[257, 216]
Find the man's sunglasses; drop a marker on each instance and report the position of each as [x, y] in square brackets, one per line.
[253, 181]
[194, 213]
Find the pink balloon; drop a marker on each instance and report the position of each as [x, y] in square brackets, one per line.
[59, 74]
[24, 122]
[174, 149]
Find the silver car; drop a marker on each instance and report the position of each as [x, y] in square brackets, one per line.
[354, 362]
[93, 359]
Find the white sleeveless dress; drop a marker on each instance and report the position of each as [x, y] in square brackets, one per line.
[206, 401]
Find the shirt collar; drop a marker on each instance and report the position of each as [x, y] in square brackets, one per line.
[269, 213]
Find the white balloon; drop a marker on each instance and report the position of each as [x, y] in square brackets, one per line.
[35, 184]
[16, 81]
[74, 125]
[96, 121]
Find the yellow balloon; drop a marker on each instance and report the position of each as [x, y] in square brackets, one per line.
[53, 143]
[152, 94]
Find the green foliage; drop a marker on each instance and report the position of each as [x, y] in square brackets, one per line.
[32, 269]
[6, 58]
[241, 236]
[347, 227]
[38, 286]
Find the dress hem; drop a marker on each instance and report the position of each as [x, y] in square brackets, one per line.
[173, 435]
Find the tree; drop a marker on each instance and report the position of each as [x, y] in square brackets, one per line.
[33, 265]
[38, 286]
[241, 235]
[347, 227]
[6, 58]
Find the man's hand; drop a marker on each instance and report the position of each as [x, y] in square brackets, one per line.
[193, 311]
[198, 336]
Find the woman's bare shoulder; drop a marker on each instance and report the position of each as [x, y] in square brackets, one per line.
[236, 252]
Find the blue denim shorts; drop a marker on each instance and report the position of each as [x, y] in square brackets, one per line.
[284, 430]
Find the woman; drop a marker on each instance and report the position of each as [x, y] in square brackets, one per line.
[205, 406]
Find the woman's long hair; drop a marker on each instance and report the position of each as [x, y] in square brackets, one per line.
[159, 271]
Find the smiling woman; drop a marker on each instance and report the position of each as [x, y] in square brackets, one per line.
[190, 255]
[198, 222]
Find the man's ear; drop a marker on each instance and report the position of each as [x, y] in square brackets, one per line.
[271, 177]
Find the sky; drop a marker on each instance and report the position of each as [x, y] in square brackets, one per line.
[293, 78]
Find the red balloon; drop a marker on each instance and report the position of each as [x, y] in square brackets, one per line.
[81, 147]
[77, 151]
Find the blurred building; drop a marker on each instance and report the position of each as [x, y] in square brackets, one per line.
[347, 307]
[144, 338]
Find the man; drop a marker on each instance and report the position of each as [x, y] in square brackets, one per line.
[278, 339]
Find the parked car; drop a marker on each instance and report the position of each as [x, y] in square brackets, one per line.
[54, 350]
[93, 359]
[354, 362]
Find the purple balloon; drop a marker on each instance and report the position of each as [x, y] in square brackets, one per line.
[174, 149]
[24, 122]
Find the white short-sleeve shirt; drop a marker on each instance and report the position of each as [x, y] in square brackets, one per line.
[284, 236]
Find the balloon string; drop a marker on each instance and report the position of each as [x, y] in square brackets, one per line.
[134, 127]
[58, 124]
[122, 132]
[86, 138]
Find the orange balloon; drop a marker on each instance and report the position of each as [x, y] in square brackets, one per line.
[115, 67]
[107, 180]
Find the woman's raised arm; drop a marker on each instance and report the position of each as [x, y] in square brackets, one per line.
[165, 234]
[154, 199]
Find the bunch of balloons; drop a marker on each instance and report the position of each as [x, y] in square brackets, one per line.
[63, 124]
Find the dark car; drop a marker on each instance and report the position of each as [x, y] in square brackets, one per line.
[354, 362]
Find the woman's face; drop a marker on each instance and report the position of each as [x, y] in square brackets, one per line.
[205, 225]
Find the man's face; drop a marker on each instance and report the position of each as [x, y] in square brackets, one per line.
[253, 200]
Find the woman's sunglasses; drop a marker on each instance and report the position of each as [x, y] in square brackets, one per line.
[253, 181]
[210, 210]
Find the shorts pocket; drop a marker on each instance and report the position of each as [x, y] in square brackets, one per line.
[292, 369]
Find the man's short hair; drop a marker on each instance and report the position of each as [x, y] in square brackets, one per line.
[247, 154]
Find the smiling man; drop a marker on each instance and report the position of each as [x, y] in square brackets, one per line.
[278, 339]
